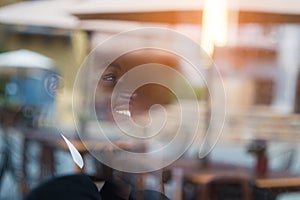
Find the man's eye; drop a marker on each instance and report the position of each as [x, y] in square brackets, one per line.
[109, 78]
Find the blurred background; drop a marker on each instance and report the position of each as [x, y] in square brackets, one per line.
[255, 45]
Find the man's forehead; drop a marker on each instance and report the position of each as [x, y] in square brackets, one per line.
[146, 56]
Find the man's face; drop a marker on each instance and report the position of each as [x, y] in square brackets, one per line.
[143, 97]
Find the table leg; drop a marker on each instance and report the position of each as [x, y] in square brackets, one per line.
[47, 161]
[177, 176]
[24, 184]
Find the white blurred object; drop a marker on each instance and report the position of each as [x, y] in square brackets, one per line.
[77, 158]
[39, 13]
[25, 59]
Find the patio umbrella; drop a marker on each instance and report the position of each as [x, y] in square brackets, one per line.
[25, 59]
[176, 12]
[50, 13]
[27, 66]
[25, 77]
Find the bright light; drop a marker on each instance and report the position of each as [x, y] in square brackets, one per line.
[214, 24]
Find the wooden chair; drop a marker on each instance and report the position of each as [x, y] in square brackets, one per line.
[222, 187]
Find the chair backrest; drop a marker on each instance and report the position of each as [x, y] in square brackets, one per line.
[231, 187]
[289, 159]
[226, 187]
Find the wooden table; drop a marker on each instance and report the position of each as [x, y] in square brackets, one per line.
[196, 172]
[279, 184]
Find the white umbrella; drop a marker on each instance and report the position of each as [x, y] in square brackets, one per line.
[26, 59]
[49, 13]
[26, 75]
[190, 11]
[24, 62]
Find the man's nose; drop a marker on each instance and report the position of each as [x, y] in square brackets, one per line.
[127, 96]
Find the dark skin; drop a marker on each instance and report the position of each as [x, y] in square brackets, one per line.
[145, 96]
[140, 101]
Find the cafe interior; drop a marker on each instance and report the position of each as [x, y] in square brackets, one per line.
[196, 99]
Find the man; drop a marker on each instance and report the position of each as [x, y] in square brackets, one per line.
[118, 98]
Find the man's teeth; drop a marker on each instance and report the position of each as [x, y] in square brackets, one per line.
[124, 112]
